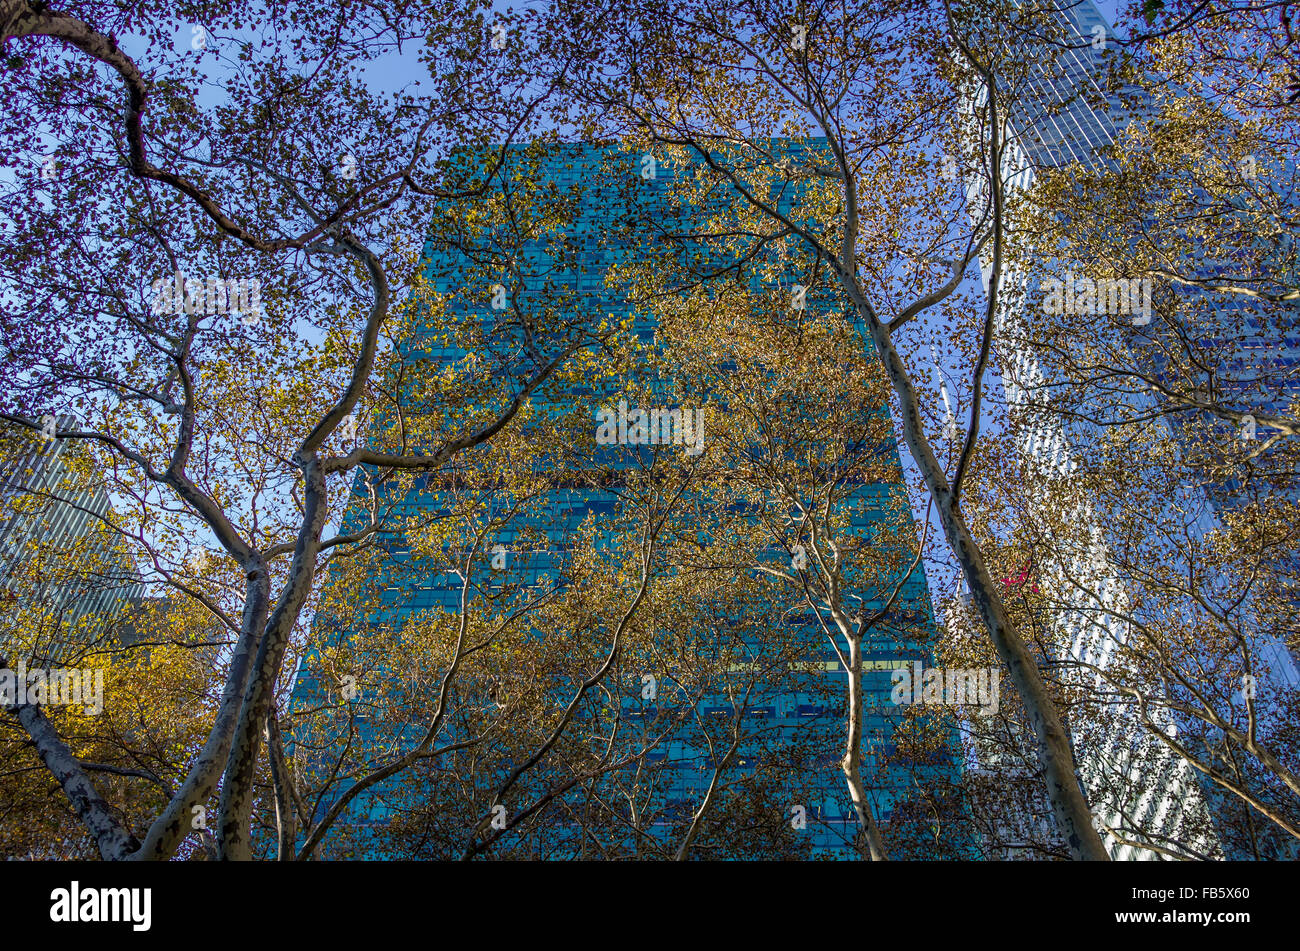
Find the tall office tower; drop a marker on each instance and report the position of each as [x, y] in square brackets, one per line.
[65, 580]
[703, 671]
[1061, 113]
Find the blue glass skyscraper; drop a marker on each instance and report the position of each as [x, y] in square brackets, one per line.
[783, 787]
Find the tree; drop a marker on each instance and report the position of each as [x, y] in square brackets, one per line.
[1160, 561]
[230, 421]
[1180, 422]
[722, 82]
